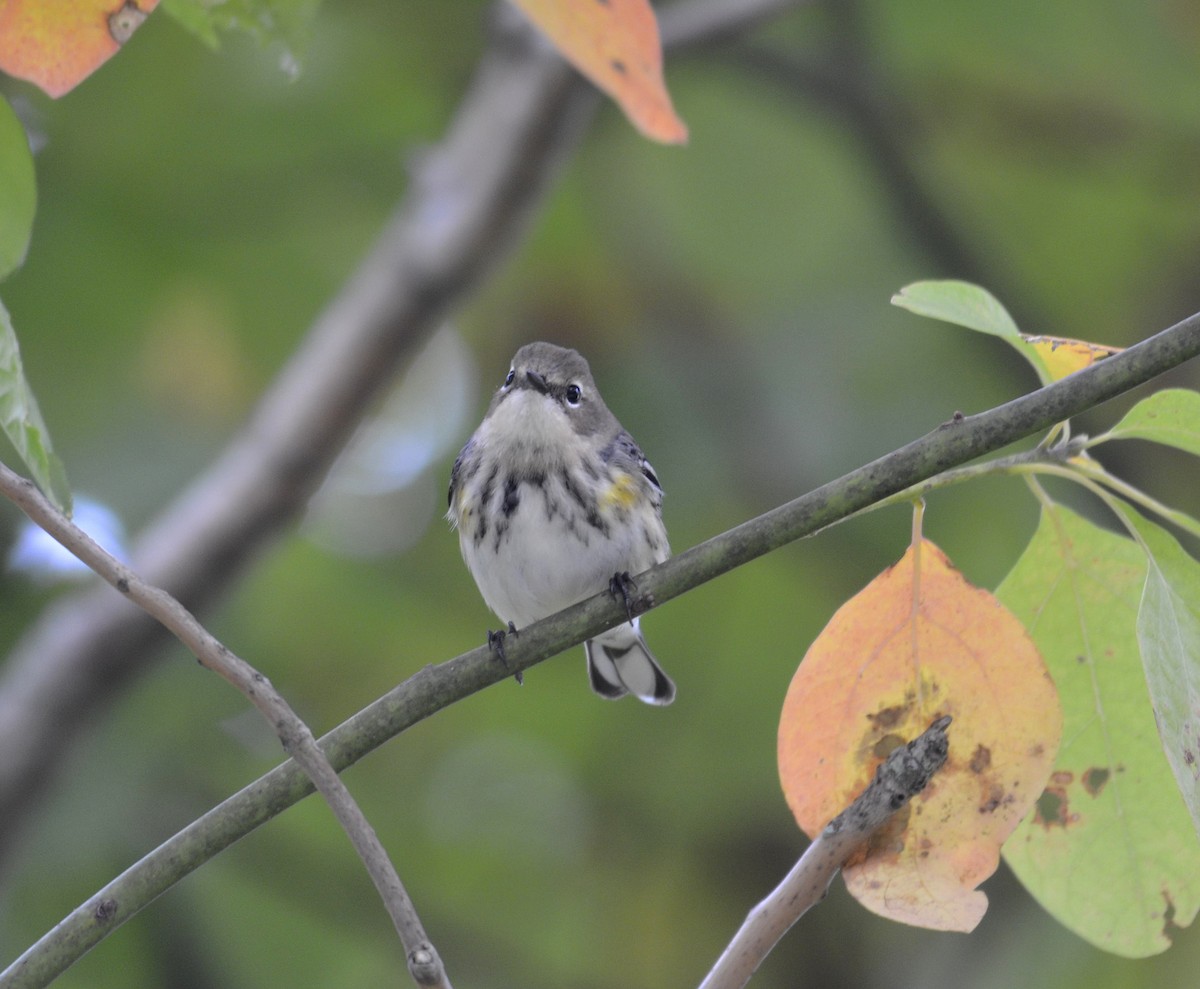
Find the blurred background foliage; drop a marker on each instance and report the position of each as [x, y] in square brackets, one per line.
[198, 207]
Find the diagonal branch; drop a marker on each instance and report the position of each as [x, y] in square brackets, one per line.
[472, 196]
[955, 442]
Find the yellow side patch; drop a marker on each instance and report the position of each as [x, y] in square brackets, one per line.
[463, 509]
[622, 493]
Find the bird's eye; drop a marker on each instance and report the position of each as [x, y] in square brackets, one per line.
[574, 394]
[510, 378]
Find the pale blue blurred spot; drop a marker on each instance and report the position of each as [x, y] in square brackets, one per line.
[38, 556]
[382, 494]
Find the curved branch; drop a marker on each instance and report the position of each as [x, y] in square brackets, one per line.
[296, 737]
[955, 442]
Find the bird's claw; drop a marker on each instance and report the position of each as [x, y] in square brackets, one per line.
[622, 586]
[495, 641]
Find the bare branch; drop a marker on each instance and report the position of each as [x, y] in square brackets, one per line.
[297, 739]
[899, 778]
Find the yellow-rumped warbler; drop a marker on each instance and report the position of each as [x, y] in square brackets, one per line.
[553, 502]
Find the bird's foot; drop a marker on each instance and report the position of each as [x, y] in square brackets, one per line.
[623, 587]
[495, 641]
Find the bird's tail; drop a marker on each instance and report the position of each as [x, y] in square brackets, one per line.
[619, 663]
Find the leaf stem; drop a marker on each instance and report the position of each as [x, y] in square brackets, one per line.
[1095, 471]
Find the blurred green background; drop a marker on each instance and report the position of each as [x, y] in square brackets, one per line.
[197, 209]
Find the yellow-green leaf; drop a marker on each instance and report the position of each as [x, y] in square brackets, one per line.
[1170, 416]
[21, 421]
[1109, 850]
[960, 303]
[1168, 632]
[964, 304]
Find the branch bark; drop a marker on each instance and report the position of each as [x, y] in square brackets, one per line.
[953, 443]
[899, 778]
[471, 197]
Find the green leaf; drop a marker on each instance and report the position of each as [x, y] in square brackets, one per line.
[1170, 416]
[1168, 631]
[22, 421]
[285, 25]
[1110, 849]
[960, 303]
[18, 191]
[964, 304]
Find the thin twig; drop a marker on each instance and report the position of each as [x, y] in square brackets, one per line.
[899, 778]
[423, 961]
[435, 687]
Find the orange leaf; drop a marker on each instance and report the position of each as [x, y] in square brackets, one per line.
[615, 44]
[1063, 356]
[919, 642]
[59, 44]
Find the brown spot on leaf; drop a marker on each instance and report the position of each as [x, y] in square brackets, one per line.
[1063, 777]
[617, 66]
[1169, 928]
[1094, 779]
[1052, 809]
[992, 799]
[887, 717]
[981, 758]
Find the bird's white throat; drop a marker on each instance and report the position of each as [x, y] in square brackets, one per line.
[528, 426]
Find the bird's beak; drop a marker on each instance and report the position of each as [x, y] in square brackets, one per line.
[538, 381]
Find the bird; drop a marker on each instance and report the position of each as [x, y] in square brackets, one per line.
[553, 502]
